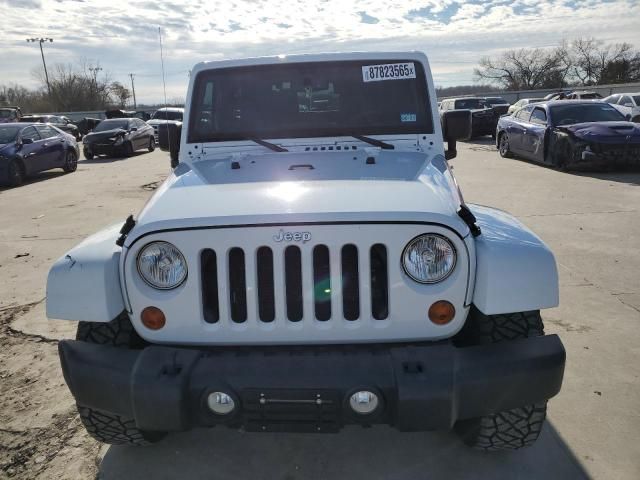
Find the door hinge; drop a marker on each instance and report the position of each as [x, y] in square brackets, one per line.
[470, 219]
[129, 223]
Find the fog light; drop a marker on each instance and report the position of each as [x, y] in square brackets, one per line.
[153, 318]
[363, 402]
[441, 312]
[221, 403]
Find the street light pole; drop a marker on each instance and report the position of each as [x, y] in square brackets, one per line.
[133, 88]
[46, 74]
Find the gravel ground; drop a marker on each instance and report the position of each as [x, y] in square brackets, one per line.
[589, 220]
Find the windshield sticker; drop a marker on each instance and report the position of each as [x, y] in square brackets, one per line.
[408, 117]
[389, 71]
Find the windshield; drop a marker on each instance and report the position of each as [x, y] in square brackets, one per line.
[164, 115]
[6, 113]
[496, 100]
[111, 125]
[470, 103]
[636, 99]
[310, 100]
[590, 95]
[8, 134]
[580, 113]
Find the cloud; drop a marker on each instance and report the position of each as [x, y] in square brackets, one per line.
[123, 36]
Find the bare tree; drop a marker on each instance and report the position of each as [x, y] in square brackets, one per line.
[121, 93]
[593, 61]
[526, 68]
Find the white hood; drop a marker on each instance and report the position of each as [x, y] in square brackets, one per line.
[297, 187]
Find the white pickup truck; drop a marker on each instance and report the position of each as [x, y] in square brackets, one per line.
[311, 263]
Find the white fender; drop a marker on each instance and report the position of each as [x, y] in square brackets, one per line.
[515, 270]
[84, 284]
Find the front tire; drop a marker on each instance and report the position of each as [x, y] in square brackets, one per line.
[128, 149]
[152, 144]
[15, 173]
[503, 146]
[109, 427]
[70, 162]
[510, 429]
[88, 154]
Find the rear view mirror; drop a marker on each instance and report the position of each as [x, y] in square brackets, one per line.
[456, 125]
[169, 140]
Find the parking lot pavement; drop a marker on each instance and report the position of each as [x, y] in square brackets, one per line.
[589, 220]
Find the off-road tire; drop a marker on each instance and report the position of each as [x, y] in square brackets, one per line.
[117, 333]
[108, 427]
[504, 150]
[15, 173]
[509, 429]
[115, 430]
[70, 162]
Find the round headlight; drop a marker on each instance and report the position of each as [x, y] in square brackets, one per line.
[429, 258]
[162, 265]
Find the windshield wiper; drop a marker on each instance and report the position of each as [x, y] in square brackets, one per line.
[374, 142]
[269, 145]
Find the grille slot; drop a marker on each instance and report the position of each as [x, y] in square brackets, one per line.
[237, 285]
[379, 282]
[350, 285]
[266, 297]
[293, 283]
[322, 282]
[209, 279]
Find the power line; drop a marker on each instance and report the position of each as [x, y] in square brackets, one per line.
[46, 74]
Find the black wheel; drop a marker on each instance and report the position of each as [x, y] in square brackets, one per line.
[15, 173]
[114, 429]
[128, 149]
[563, 155]
[103, 426]
[88, 154]
[152, 144]
[509, 429]
[503, 146]
[70, 162]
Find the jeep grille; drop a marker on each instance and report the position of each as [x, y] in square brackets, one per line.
[292, 270]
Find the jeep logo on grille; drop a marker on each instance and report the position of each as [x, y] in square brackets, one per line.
[283, 236]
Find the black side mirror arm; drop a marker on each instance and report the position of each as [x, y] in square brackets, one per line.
[451, 152]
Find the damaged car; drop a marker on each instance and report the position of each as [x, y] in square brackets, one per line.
[118, 136]
[483, 117]
[570, 134]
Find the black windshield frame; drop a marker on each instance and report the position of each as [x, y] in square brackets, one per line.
[419, 94]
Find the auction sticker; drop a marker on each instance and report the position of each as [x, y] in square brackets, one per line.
[388, 71]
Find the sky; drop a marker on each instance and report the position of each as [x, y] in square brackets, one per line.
[121, 36]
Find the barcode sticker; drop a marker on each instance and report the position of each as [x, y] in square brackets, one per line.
[388, 71]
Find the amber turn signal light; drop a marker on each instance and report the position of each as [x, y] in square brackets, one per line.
[153, 318]
[441, 312]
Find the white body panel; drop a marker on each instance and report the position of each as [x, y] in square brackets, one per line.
[84, 284]
[408, 301]
[239, 194]
[515, 270]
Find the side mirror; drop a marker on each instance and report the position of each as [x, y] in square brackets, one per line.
[628, 104]
[169, 140]
[26, 141]
[134, 129]
[456, 125]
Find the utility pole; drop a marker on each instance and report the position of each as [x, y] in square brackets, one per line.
[41, 41]
[133, 89]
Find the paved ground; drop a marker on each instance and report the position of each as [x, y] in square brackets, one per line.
[590, 221]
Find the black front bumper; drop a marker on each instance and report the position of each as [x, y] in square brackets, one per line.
[421, 387]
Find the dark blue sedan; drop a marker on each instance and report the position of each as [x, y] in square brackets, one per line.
[27, 149]
[570, 134]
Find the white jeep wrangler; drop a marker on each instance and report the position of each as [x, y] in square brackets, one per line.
[311, 263]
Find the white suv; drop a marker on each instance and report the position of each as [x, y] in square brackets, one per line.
[311, 263]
